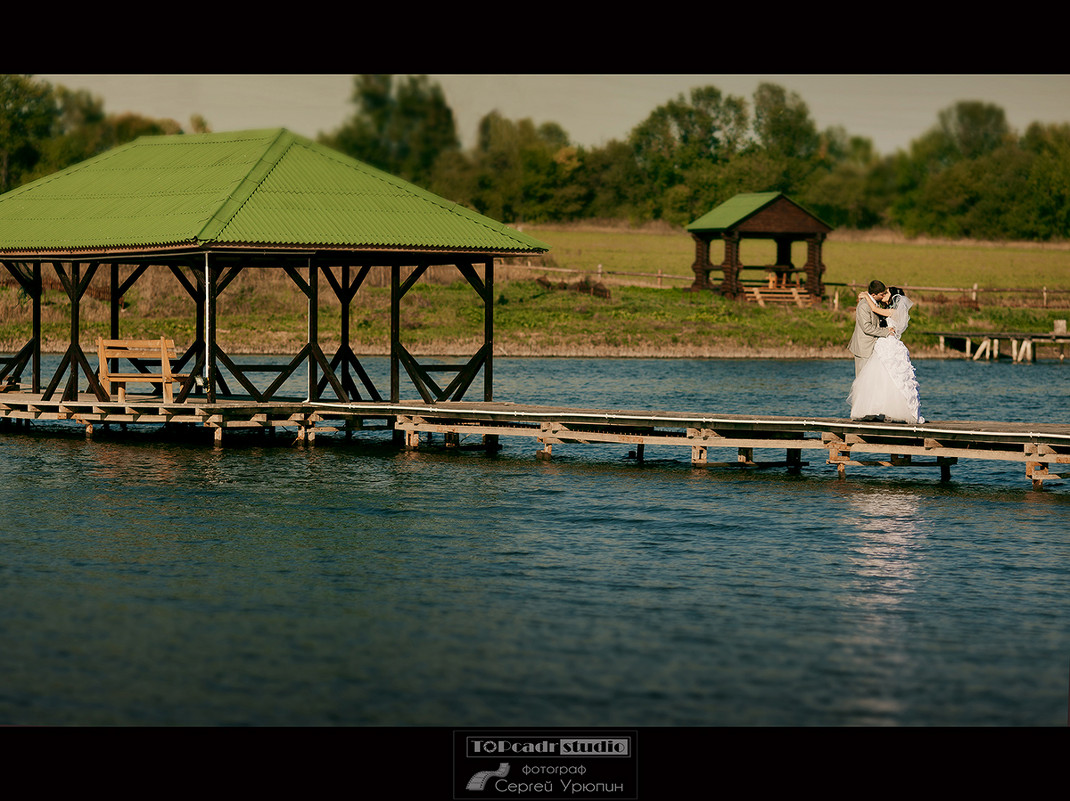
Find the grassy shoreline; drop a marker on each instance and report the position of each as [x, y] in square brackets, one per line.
[540, 311]
[532, 320]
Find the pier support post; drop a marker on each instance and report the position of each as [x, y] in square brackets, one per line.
[945, 467]
[839, 452]
[794, 459]
[698, 455]
[546, 452]
[1037, 472]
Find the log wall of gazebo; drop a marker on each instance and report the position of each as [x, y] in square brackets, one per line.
[731, 266]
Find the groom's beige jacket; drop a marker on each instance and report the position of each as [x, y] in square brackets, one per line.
[867, 329]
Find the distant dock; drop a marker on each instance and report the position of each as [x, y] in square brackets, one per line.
[986, 345]
[1041, 449]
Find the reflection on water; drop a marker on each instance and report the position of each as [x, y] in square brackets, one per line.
[889, 543]
[144, 582]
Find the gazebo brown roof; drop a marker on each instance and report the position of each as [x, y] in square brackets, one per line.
[762, 215]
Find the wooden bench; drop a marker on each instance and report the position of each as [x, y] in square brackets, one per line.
[136, 351]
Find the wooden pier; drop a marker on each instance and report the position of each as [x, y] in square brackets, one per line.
[843, 442]
[1040, 448]
[979, 345]
[302, 418]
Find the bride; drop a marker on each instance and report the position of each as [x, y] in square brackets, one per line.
[886, 387]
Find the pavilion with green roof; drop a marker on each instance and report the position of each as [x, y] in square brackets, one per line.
[762, 215]
[207, 206]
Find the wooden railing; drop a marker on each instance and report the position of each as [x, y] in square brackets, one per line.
[1044, 297]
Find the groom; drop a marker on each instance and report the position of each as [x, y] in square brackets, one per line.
[867, 325]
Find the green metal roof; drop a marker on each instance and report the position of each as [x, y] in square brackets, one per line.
[736, 210]
[732, 211]
[268, 188]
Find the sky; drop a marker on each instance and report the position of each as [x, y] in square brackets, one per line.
[890, 109]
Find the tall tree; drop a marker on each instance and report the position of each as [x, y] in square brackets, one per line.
[684, 135]
[1049, 178]
[987, 197]
[83, 130]
[400, 126]
[782, 123]
[925, 199]
[974, 128]
[612, 176]
[849, 191]
[516, 171]
[27, 113]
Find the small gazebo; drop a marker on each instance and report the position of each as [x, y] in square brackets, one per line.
[760, 215]
[207, 206]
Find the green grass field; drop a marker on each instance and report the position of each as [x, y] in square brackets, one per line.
[847, 259]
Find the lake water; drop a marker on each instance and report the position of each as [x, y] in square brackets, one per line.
[160, 583]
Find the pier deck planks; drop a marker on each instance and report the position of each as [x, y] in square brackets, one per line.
[1039, 446]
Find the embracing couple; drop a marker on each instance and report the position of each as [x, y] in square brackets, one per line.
[885, 388]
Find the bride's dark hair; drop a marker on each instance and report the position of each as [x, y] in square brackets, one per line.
[882, 321]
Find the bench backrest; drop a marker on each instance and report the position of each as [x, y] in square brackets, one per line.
[161, 349]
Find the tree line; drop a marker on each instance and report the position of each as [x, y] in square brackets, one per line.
[969, 175]
[45, 128]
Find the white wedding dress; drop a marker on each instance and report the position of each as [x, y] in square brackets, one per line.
[887, 385]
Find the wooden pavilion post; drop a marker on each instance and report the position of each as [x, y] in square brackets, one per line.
[488, 332]
[731, 286]
[490, 441]
[36, 327]
[118, 292]
[343, 323]
[815, 267]
[210, 278]
[701, 265]
[395, 332]
[430, 389]
[313, 331]
[29, 280]
[75, 342]
[783, 267]
[345, 358]
[341, 358]
[74, 358]
[113, 297]
[194, 288]
[317, 361]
